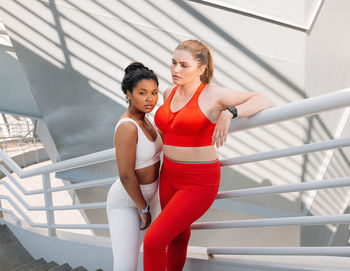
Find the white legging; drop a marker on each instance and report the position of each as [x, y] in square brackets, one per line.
[124, 224]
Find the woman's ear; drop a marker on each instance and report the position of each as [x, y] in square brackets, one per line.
[128, 95]
[201, 69]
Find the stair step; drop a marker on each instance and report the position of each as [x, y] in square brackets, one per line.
[79, 268]
[12, 253]
[31, 265]
[6, 236]
[63, 267]
[46, 267]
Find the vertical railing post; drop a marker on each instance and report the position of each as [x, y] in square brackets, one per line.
[48, 204]
[1, 214]
[36, 151]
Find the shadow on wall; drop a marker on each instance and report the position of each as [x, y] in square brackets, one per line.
[79, 118]
[13, 84]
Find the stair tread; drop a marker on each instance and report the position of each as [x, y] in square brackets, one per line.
[62, 267]
[12, 252]
[6, 235]
[46, 267]
[29, 266]
[79, 268]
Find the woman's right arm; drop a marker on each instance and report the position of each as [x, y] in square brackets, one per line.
[166, 93]
[125, 141]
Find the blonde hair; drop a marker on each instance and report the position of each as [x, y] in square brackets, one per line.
[201, 53]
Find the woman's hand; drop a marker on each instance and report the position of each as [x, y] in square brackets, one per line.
[221, 128]
[145, 220]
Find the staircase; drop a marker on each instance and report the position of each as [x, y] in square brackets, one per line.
[14, 257]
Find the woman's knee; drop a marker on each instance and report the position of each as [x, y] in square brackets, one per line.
[182, 239]
[153, 240]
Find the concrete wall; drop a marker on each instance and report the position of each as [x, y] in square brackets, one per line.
[15, 93]
[328, 69]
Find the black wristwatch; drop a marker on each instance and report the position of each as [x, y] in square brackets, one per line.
[143, 211]
[233, 110]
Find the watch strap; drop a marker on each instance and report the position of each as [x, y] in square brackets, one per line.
[233, 110]
[143, 211]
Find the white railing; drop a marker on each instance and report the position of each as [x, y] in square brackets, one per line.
[18, 136]
[301, 108]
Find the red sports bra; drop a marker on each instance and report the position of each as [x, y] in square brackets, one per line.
[187, 127]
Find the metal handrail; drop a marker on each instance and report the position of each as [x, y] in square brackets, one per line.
[301, 108]
[285, 188]
[95, 205]
[271, 222]
[104, 181]
[81, 226]
[314, 251]
[89, 159]
[12, 214]
[18, 185]
[19, 210]
[21, 200]
[303, 149]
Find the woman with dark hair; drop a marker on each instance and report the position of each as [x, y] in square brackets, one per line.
[190, 174]
[137, 147]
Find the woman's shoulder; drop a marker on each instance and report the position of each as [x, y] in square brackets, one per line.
[215, 90]
[167, 92]
[126, 131]
[126, 124]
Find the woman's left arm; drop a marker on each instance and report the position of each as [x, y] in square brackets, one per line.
[246, 103]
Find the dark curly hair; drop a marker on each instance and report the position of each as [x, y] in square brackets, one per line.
[134, 73]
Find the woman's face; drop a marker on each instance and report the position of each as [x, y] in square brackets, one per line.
[184, 68]
[144, 96]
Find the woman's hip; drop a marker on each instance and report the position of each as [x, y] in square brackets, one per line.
[118, 197]
[206, 173]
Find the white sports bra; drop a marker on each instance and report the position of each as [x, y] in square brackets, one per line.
[147, 152]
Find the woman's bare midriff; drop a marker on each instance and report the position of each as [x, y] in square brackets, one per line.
[148, 174]
[206, 153]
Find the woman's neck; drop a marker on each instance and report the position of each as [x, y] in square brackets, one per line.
[135, 114]
[189, 88]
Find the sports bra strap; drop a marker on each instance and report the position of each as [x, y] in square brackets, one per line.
[124, 120]
[147, 152]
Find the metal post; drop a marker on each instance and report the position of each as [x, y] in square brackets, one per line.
[36, 151]
[6, 124]
[22, 153]
[1, 214]
[48, 204]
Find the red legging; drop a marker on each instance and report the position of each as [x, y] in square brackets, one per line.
[186, 190]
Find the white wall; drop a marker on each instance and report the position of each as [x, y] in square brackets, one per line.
[328, 69]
